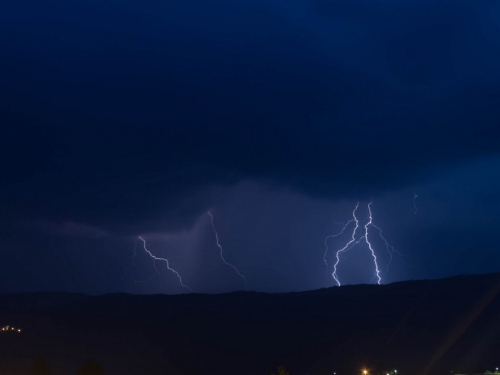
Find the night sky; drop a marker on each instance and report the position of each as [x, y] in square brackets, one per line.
[127, 118]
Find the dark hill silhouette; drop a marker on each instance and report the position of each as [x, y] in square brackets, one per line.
[417, 327]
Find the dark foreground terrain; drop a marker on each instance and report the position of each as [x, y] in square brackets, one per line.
[417, 327]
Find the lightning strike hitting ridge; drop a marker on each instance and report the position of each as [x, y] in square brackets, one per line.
[365, 237]
[346, 247]
[221, 251]
[155, 258]
[370, 222]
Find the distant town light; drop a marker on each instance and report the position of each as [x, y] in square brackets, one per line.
[9, 328]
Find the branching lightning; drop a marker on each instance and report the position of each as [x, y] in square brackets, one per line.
[222, 252]
[155, 258]
[390, 249]
[347, 246]
[366, 238]
[344, 227]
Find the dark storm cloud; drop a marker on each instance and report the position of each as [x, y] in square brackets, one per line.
[118, 115]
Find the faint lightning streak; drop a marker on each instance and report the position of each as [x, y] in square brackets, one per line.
[155, 258]
[133, 261]
[370, 222]
[415, 196]
[148, 279]
[347, 246]
[390, 249]
[222, 252]
[344, 227]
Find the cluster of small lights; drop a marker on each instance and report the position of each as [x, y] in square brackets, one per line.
[365, 372]
[10, 329]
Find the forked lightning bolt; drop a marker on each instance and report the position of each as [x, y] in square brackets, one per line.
[222, 252]
[366, 238]
[344, 227]
[155, 258]
[347, 246]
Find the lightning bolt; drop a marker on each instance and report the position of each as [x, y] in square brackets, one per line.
[366, 238]
[415, 196]
[347, 246]
[370, 222]
[155, 258]
[344, 227]
[222, 252]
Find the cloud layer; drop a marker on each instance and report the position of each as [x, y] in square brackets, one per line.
[122, 115]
